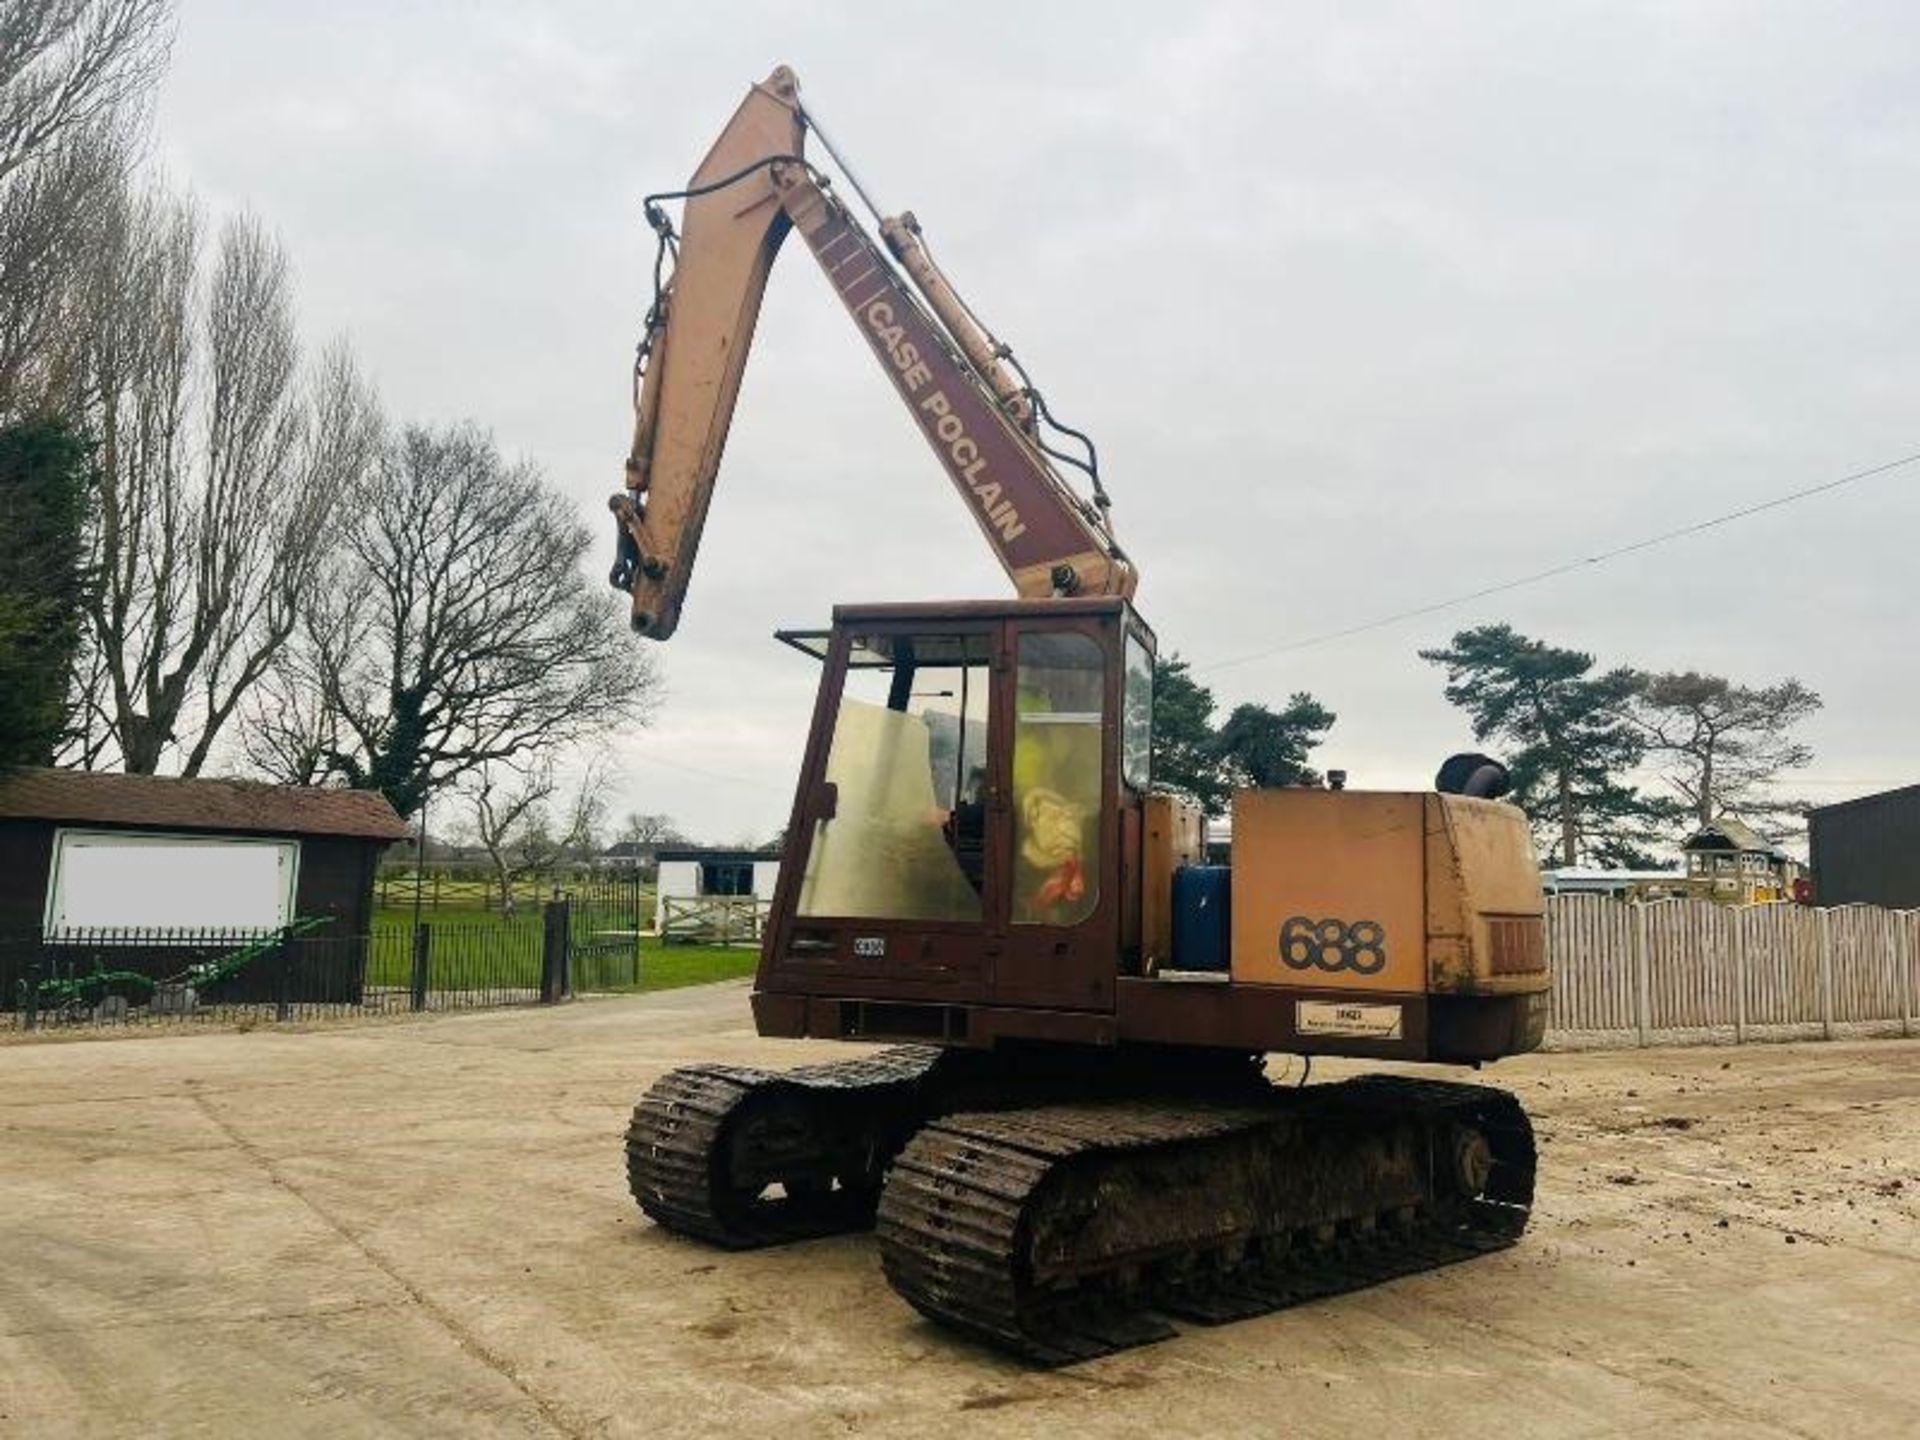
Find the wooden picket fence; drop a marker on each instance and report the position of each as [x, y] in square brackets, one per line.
[1688, 970]
[714, 919]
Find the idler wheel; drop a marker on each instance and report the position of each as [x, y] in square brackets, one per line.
[1472, 1160]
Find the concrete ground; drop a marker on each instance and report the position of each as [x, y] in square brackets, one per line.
[421, 1227]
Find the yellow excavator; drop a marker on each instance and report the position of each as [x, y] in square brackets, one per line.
[1073, 1140]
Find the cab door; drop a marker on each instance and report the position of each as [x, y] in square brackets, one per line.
[1056, 820]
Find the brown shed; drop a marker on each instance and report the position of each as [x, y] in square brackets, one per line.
[83, 850]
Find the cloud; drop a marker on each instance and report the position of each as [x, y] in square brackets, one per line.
[1364, 309]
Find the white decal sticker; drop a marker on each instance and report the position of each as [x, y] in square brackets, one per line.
[1325, 1017]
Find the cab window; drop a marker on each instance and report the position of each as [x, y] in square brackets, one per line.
[908, 763]
[1059, 709]
[1136, 716]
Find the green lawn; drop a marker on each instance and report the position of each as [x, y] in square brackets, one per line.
[666, 967]
[527, 918]
[467, 899]
[488, 953]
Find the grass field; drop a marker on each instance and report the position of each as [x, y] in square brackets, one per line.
[527, 918]
[666, 967]
[475, 952]
[394, 891]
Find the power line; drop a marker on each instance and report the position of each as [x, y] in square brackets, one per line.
[1565, 568]
[648, 758]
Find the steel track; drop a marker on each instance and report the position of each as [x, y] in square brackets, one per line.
[686, 1139]
[1004, 1226]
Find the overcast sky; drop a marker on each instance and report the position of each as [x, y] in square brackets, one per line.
[1366, 306]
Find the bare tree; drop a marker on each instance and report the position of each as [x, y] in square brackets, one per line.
[1722, 746]
[53, 217]
[74, 75]
[66, 65]
[505, 812]
[514, 823]
[637, 828]
[456, 630]
[221, 467]
[583, 834]
[289, 727]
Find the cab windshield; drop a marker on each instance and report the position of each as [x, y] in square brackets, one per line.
[908, 763]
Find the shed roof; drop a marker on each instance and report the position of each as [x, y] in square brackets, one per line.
[716, 853]
[166, 803]
[1905, 794]
[627, 849]
[1727, 834]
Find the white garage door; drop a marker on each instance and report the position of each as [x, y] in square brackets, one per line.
[104, 880]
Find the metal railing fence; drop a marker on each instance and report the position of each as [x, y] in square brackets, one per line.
[299, 972]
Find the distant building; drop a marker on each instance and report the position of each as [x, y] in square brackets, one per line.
[1621, 884]
[1728, 862]
[739, 883]
[1725, 861]
[1867, 851]
[628, 855]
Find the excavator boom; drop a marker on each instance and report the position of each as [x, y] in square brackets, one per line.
[752, 188]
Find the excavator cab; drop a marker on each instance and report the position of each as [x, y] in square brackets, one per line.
[974, 858]
[971, 791]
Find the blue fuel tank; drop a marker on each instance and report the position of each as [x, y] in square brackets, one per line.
[1202, 917]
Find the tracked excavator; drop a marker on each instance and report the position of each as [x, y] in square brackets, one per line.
[1071, 1141]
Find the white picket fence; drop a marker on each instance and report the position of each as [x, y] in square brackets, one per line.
[1676, 971]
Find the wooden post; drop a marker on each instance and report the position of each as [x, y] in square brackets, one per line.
[1737, 918]
[1824, 928]
[1642, 991]
[1906, 926]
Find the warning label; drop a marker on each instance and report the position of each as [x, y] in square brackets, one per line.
[1324, 1017]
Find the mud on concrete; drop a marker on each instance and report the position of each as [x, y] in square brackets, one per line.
[421, 1227]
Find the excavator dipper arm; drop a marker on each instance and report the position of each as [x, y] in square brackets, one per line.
[752, 188]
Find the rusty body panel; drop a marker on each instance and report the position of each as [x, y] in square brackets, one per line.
[1373, 891]
[1175, 836]
[1255, 1019]
[1329, 886]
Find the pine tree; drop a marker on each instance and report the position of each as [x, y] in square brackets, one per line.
[1257, 746]
[1574, 742]
[43, 510]
[1268, 748]
[1186, 761]
[1722, 746]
